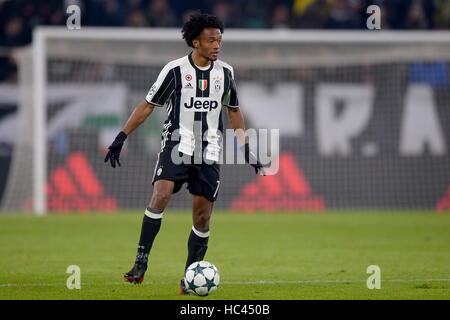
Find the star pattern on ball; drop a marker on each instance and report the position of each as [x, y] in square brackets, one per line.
[203, 278]
[197, 270]
[192, 285]
[210, 283]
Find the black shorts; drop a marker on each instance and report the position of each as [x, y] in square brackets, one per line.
[202, 179]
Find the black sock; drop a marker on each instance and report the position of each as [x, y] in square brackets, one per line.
[197, 245]
[150, 228]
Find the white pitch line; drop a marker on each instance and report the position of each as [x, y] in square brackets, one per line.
[62, 284]
[326, 281]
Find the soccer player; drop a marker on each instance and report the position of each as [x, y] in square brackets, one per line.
[193, 89]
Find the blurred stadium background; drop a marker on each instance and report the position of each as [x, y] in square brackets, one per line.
[363, 115]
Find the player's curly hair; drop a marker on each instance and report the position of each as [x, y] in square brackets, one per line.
[196, 23]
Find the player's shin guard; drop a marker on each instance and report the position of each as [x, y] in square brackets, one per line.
[197, 245]
[150, 228]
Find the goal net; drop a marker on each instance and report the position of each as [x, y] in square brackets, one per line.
[363, 120]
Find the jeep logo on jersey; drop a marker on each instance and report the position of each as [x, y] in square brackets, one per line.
[202, 84]
[200, 104]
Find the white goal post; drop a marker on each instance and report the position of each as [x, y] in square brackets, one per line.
[296, 55]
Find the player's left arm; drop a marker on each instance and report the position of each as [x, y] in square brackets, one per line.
[237, 123]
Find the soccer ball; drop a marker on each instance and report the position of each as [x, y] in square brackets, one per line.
[201, 278]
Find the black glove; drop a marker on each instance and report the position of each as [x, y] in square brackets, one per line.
[115, 148]
[252, 160]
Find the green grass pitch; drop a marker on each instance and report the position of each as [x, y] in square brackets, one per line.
[259, 256]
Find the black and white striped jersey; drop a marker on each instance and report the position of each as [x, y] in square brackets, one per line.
[194, 98]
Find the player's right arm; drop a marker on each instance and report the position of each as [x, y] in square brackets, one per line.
[158, 95]
[140, 113]
[137, 117]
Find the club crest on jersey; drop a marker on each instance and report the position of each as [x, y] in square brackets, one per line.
[202, 84]
[217, 85]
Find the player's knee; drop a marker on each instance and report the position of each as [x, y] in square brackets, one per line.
[160, 198]
[202, 217]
